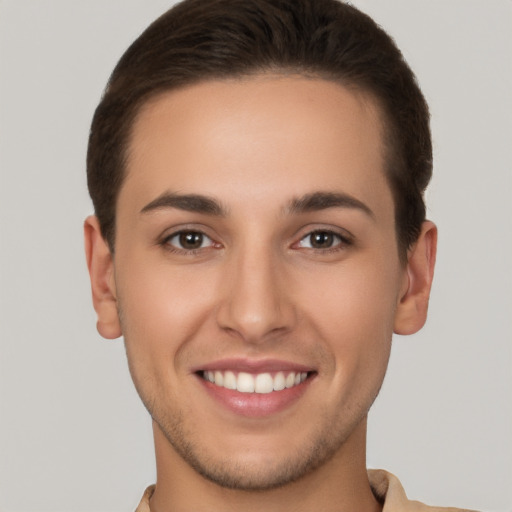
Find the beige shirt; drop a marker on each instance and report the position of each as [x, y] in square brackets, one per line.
[385, 486]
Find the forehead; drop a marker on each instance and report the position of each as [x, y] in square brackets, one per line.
[270, 135]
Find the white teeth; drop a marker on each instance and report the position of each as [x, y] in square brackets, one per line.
[230, 380]
[263, 383]
[245, 383]
[260, 383]
[219, 378]
[279, 381]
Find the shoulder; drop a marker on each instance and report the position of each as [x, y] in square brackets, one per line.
[389, 491]
[144, 502]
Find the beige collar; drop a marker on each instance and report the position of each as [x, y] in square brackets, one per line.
[385, 486]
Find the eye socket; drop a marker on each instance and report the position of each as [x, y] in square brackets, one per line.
[189, 240]
[322, 239]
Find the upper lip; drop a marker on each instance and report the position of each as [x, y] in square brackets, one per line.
[253, 366]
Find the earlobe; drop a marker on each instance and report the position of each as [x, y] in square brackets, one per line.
[412, 307]
[101, 272]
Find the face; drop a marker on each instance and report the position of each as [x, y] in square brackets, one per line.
[256, 273]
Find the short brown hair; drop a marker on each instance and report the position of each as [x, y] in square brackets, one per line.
[200, 40]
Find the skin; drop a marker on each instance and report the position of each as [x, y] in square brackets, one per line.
[258, 288]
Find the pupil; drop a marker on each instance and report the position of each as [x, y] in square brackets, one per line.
[321, 240]
[191, 240]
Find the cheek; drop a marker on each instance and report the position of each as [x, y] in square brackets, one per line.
[353, 309]
[361, 296]
[160, 311]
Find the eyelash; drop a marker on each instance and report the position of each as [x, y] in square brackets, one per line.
[340, 242]
[166, 242]
[343, 241]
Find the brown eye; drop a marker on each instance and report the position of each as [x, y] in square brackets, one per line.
[189, 240]
[323, 240]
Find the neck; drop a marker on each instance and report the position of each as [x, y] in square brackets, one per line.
[340, 484]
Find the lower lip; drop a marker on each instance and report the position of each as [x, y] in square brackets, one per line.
[256, 404]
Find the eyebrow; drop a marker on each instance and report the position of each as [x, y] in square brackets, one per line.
[209, 206]
[324, 200]
[189, 202]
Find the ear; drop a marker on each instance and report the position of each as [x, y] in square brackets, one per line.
[101, 272]
[411, 312]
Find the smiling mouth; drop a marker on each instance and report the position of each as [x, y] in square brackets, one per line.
[262, 383]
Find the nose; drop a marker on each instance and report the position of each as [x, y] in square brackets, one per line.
[257, 300]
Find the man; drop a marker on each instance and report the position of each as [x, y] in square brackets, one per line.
[257, 170]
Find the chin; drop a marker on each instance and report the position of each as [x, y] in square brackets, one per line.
[257, 468]
[262, 474]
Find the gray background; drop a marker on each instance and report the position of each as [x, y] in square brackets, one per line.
[73, 436]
